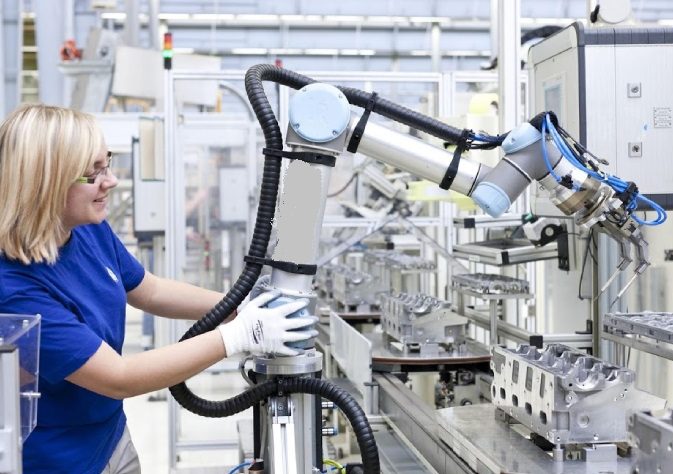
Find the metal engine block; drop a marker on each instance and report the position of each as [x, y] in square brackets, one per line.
[324, 280]
[653, 438]
[417, 319]
[490, 283]
[566, 396]
[355, 290]
[398, 272]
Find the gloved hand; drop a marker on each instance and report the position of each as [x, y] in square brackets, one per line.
[260, 330]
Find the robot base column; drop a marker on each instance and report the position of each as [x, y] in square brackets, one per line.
[291, 435]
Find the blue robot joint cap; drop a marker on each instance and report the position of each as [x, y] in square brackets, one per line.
[520, 137]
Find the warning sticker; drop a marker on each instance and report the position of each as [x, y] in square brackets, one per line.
[663, 117]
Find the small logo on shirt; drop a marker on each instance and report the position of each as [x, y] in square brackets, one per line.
[112, 275]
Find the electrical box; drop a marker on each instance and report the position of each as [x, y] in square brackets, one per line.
[611, 89]
[149, 191]
[234, 203]
[128, 61]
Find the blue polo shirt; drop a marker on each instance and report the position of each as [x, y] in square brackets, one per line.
[82, 300]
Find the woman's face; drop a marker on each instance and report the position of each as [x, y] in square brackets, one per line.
[86, 202]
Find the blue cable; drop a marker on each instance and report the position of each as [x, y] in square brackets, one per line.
[545, 156]
[486, 138]
[239, 467]
[614, 182]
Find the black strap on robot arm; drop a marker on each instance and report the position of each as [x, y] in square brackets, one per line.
[451, 172]
[542, 116]
[306, 156]
[290, 267]
[359, 129]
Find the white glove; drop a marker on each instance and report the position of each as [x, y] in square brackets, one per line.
[261, 330]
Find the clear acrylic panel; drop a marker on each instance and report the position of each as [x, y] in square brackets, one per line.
[23, 331]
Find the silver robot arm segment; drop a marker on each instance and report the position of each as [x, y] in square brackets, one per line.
[417, 157]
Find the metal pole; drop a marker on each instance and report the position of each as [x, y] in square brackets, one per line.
[494, 28]
[11, 56]
[493, 318]
[509, 63]
[170, 237]
[153, 24]
[132, 25]
[10, 450]
[435, 34]
[48, 38]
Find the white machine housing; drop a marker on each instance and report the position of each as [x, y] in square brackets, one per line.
[610, 87]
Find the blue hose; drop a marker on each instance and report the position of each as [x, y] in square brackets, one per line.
[239, 467]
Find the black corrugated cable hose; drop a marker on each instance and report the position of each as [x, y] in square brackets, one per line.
[360, 98]
[254, 79]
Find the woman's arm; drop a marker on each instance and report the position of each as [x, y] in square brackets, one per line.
[172, 299]
[258, 329]
[107, 373]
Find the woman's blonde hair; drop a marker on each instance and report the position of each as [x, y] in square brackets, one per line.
[43, 150]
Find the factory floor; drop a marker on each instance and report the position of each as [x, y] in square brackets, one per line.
[148, 420]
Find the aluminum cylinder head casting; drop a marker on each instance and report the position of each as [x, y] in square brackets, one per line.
[565, 395]
[490, 283]
[418, 319]
[653, 438]
[355, 290]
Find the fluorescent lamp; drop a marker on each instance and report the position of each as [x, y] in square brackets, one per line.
[286, 51]
[426, 19]
[345, 18]
[257, 51]
[292, 18]
[257, 18]
[321, 51]
[380, 19]
[213, 16]
[113, 16]
[174, 16]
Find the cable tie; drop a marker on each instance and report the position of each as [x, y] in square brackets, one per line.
[305, 156]
[359, 129]
[290, 267]
[451, 172]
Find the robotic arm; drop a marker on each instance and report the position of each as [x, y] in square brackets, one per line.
[538, 150]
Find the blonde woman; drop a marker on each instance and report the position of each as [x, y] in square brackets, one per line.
[60, 258]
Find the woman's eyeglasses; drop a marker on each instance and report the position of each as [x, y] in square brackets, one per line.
[93, 177]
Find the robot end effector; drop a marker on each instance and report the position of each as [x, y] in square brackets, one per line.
[539, 151]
